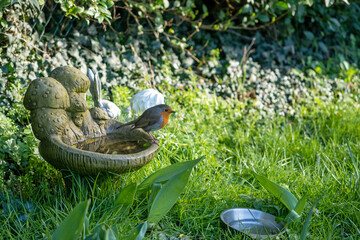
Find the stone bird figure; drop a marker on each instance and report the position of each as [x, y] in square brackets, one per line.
[95, 89]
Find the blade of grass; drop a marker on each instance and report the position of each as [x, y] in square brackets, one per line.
[353, 160]
[308, 219]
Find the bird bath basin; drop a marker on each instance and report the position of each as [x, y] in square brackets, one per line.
[74, 137]
[112, 144]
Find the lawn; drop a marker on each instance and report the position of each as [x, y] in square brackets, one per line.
[308, 155]
[262, 89]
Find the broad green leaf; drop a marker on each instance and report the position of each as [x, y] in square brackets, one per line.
[264, 18]
[247, 8]
[3, 23]
[309, 35]
[296, 212]
[4, 3]
[281, 5]
[126, 197]
[335, 21]
[167, 196]
[123, 202]
[204, 8]
[308, 219]
[101, 232]
[166, 173]
[75, 10]
[292, 216]
[72, 226]
[109, 4]
[155, 189]
[286, 197]
[300, 205]
[138, 232]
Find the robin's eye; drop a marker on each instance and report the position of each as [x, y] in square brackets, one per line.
[166, 110]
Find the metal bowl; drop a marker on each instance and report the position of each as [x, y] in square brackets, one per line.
[254, 223]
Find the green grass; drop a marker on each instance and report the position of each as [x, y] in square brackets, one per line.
[308, 155]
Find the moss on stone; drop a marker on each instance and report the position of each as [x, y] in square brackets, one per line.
[46, 93]
[47, 121]
[71, 78]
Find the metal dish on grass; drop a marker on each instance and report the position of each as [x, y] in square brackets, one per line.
[255, 223]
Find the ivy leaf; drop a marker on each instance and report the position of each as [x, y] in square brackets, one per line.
[309, 35]
[109, 4]
[281, 5]
[75, 10]
[247, 8]
[335, 21]
[4, 3]
[264, 18]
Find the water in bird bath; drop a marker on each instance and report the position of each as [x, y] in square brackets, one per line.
[112, 144]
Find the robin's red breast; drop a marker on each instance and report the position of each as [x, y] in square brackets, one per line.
[153, 118]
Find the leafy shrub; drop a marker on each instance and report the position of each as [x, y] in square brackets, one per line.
[97, 9]
[21, 165]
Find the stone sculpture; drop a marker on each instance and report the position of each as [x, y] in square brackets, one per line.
[61, 118]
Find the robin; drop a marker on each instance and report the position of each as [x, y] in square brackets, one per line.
[152, 119]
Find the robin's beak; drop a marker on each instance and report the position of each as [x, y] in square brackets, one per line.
[172, 111]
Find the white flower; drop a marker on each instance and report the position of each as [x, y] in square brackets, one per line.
[145, 99]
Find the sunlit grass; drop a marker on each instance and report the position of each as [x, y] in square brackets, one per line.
[308, 155]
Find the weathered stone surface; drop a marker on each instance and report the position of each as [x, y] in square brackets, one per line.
[47, 121]
[71, 78]
[72, 134]
[98, 114]
[46, 93]
[91, 128]
[77, 102]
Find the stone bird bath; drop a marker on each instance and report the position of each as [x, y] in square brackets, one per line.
[74, 137]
